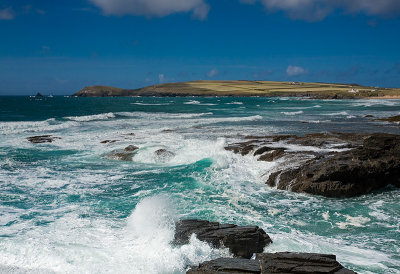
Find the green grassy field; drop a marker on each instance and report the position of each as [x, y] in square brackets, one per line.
[247, 88]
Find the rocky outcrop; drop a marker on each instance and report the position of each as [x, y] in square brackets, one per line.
[392, 119]
[227, 265]
[329, 164]
[266, 263]
[163, 155]
[289, 262]
[242, 241]
[108, 141]
[125, 154]
[42, 139]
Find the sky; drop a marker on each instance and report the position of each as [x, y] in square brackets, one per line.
[59, 47]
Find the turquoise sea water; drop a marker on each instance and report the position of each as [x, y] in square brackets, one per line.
[65, 208]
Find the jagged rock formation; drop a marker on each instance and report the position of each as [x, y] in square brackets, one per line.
[332, 165]
[242, 241]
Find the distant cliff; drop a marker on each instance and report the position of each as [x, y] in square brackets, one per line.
[245, 88]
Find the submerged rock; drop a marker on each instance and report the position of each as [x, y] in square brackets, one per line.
[125, 154]
[242, 241]
[108, 141]
[390, 119]
[42, 139]
[163, 155]
[267, 263]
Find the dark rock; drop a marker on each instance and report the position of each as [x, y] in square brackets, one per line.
[38, 95]
[369, 116]
[227, 265]
[268, 263]
[108, 141]
[163, 154]
[125, 154]
[42, 139]
[272, 155]
[242, 241]
[288, 262]
[390, 119]
[362, 170]
[366, 163]
[131, 148]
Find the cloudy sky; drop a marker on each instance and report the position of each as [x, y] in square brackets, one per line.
[61, 46]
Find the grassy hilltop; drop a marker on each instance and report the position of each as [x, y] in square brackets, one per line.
[246, 88]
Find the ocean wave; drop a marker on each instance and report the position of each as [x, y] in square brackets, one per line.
[162, 115]
[88, 118]
[148, 104]
[195, 102]
[192, 102]
[341, 113]
[293, 113]
[234, 103]
[34, 126]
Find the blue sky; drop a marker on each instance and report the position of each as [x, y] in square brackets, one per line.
[61, 46]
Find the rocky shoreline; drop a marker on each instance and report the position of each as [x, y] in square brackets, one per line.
[327, 164]
[245, 241]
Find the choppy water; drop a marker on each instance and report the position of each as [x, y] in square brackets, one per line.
[65, 208]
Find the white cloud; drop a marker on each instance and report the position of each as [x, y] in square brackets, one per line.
[7, 14]
[212, 73]
[315, 10]
[153, 8]
[295, 71]
[161, 78]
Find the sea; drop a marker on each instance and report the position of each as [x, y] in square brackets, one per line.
[65, 207]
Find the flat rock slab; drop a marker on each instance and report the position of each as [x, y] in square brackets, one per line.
[227, 265]
[289, 262]
[242, 241]
[42, 139]
[268, 263]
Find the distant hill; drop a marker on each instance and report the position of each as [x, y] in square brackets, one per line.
[245, 89]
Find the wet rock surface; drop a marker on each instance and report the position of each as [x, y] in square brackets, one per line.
[328, 164]
[227, 265]
[163, 155]
[390, 119]
[125, 154]
[289, 262]
[281, 262]
[108, 141]
[242, 241]
[42, 139]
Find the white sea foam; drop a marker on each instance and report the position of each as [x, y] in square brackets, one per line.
[87, 118]
[195, 102]
[34, 126]
[341, 113]
[192, 102]
[141, 244]
[149, 104]
[293, 113]
[234, 103]
[355, 221]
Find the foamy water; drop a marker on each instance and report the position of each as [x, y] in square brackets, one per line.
[65, 208]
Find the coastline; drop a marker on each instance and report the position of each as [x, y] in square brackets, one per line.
[246, 89]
